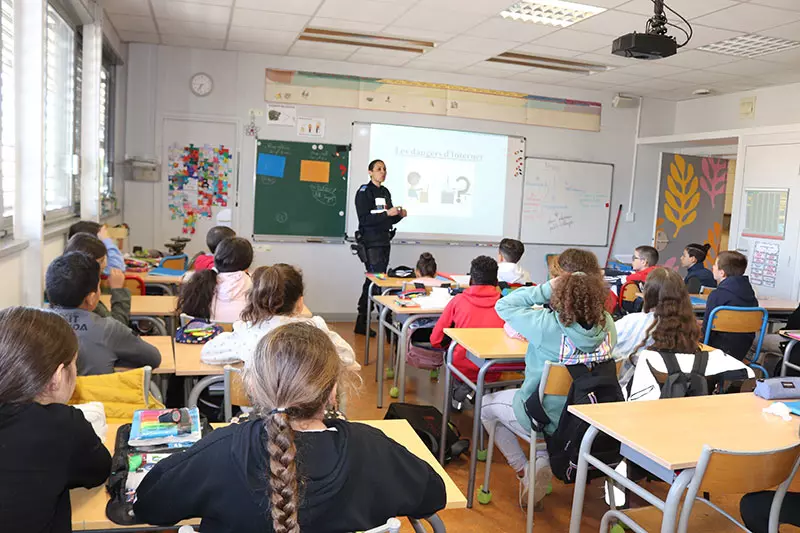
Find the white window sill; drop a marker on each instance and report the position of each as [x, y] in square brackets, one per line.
[58, 227]
[11, 246]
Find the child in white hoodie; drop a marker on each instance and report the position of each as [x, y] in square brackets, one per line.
[508, 267]
[220, 293]
[276, 299]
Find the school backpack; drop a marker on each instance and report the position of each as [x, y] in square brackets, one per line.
[426, 420]
[679, 384]
[420, 353]
[401, 271]
[591, 383]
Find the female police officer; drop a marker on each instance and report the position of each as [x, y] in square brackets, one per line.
[376, 216]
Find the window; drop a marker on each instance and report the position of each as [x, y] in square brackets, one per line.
[7, 120]
[107, 88]
[59, 116]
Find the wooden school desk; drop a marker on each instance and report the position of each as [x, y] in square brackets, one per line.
[485, 347]
[164, 345]
[149, 305]
[666, 437]
[774, 306]
[786, 365]
[89, 506]
[386, 285]
[412, 314]
[168, 283]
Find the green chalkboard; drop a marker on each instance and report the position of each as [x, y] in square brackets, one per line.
[301, 189]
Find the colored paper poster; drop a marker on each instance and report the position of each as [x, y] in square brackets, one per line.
[764, 263]
[281, 115]
[315, 171]
[310, 127]
[198, 179]
[270, 165]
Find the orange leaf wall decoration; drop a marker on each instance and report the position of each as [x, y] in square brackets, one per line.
[715, 240]
[682, 195]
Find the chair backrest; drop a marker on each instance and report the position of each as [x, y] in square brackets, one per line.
[729, 319]
[706, 290]
[175, 262]
[226, 326]
[550, 261]
[234, 391]
[556, 379]
[629, 291]
[135, 284]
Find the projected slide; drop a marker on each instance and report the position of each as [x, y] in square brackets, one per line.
[450, 182]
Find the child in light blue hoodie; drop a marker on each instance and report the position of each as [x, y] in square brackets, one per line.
[573, 326]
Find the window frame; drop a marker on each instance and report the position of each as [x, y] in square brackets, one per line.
[7, 221]
[107, 181]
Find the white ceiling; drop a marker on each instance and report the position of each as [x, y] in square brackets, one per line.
[468, 32]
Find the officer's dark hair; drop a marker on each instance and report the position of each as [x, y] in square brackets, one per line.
[375, 162]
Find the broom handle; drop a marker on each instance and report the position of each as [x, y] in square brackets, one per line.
[613, 236]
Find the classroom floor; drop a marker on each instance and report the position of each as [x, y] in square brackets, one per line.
[502, 514]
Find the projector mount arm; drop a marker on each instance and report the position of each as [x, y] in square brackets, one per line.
[657, 24]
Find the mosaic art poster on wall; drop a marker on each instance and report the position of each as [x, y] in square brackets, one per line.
[199, 179]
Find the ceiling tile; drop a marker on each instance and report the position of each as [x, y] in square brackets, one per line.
[500, 28]
[192, 29]
[613, 23]
[508, 67]
[703, 35]
[748, 67]
[437, 66]
[781, 78]
[464, 43]
[485, 7]
[582, 83]
[555, 76]
[487, 70]
[546, 51]
[362, 10]
[789, 57]
[259, 48]
[688, 8]
[652, 69]
[739, 86]
[459, 59]
[787, 31]
[749, 18]
[700, 77]
[439, 19]
[344, 25]
[614, 77]
[575, 40]
[608, 4]
[224, 3]
[193, 42]
[127, 7]
[322, 50]
[417, 33]
[267, 20]
[173, 9]
[254, 35]
[697, 59]
[659, 84]
[132, 23]
[784, 4]
[374, 56]
[298, 7]
[607, 58]
[139, 37]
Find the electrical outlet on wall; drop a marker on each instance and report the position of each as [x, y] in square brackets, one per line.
[629, 216]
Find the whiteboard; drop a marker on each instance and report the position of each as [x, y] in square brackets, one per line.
[566, 202]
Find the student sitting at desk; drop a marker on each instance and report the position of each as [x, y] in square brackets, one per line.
[509, 270]
[290, 470]
[120, 296]
[73, 289]
[574, 323]
[645, 259]
[276, 299]
[426, 271]
[734, 289]
[48, 447]
[215, 235]
[697, 275]
[220, 294]
[115, 257]
[577, 260]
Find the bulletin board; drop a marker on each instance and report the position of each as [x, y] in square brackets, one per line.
[300, 190]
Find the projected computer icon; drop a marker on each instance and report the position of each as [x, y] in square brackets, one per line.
[458, 193]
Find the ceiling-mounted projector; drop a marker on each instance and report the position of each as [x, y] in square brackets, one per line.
[654, 43]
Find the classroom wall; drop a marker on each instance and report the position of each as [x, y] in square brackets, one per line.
[11, 267]
[774, 106]
[158, 86]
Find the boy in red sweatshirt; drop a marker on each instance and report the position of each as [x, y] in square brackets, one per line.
[473, 308]
[645, 259]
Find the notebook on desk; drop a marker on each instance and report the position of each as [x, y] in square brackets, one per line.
[167, 272]
[794, 407]
[696, 300]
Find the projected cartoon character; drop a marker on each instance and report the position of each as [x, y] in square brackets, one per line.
[416, 191]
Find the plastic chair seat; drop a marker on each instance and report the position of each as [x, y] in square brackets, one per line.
[703, 518]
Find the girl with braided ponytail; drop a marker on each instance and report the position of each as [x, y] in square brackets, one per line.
[289, 469]
[275, 299]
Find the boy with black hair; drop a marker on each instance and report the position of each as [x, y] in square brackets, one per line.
[120, 296]
[73, 289]
[115, 258]
[215, 235]
[473, 308]
[733, 288]
[508, 268]
[645, 260]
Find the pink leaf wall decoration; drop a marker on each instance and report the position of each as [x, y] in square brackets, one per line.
[672, 263]
[714, 178]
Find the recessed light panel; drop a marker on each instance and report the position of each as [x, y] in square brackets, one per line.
[550, 12]
[750, 46]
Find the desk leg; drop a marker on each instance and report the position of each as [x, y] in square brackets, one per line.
[369, 323]
[476, 429]
[448, 384]
[673, 500]
[580, 479]
[786, 353]
[379, 366]
[402, 347]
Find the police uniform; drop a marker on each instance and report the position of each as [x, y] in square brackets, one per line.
[375, 226]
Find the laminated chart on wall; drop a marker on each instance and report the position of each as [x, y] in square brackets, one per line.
[300, 189]
[764, 263]
[765, 215]
[199, 178]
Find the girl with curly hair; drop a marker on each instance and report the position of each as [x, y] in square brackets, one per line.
[573, 328]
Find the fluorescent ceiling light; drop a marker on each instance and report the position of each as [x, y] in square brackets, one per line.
[550, 63]
[750, 46]
[550, 12]
[399, 44]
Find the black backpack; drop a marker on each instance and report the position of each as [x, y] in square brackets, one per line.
[679, 384]
[592, 383]
[427, 423]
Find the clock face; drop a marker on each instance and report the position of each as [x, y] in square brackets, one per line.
[202, 84]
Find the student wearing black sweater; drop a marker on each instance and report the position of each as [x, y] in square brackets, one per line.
[289, 464]
[47, 447]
